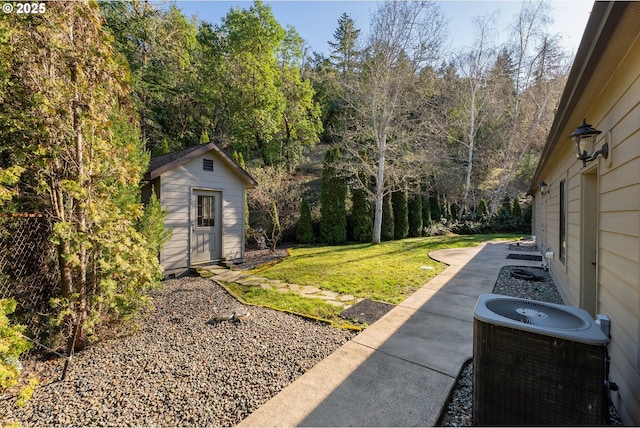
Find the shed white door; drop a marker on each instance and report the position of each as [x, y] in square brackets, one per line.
[206, 237]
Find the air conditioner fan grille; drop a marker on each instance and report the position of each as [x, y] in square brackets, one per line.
[534, 313]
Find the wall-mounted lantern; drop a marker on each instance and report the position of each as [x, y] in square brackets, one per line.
[585, 138]
[544, 188]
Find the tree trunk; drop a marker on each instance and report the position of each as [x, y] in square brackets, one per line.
[377, 217]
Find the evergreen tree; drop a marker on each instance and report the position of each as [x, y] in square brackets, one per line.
[482, 211]
[87, 157]
[304, 230]
[426, 211]
[505, 206]
[415, 215]
[436, 214]
[386, 232]
[361, 216]
[453, 208]
[333, 194]
[400, 214]
[516, 212]
[344, 55]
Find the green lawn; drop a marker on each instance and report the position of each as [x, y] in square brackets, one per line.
[389, 271]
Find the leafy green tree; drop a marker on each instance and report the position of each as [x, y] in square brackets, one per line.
[333, 194]
[304, 231]
[415, 215]
[400, 214]
[83, 147]
[255, 104]
[161, 50]
[301, 123]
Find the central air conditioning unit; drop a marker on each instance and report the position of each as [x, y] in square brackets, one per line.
[537, 363]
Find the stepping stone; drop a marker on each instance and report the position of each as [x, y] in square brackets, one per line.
[294, 287]
[347, 298]
[309, 289]
[265, 286]
[230, 276]
[330, 294]
[320, 296]
[334, 303]
[217, 271]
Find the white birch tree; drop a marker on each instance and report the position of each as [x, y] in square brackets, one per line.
[383, 128]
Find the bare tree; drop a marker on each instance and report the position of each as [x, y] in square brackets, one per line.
[471, 101]
[540, 68]
[383, 132]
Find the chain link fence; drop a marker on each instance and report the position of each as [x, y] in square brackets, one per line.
[28, 270]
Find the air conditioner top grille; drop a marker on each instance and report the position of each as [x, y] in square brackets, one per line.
[560, 321]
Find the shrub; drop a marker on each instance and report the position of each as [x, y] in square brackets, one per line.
[304, 231]
[333, 194]
[12, 345]
[426, 211]
[400, 214]
[436, 214]
[361, 218]
[482, 212]
[415, 216]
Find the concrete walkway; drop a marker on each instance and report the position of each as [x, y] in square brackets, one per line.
[400, 370]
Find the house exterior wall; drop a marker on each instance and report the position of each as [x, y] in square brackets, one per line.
[617, 113]
[176, 187]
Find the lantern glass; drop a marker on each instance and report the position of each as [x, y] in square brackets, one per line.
[585, 145]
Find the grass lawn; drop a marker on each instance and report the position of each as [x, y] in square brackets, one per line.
[389, 271]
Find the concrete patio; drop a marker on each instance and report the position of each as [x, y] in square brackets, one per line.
[401, 369]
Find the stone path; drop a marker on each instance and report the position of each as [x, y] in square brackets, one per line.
[344, 301]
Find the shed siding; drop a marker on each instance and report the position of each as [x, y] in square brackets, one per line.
[618, 240]
[177, 185]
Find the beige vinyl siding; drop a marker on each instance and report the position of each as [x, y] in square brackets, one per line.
[616, 113]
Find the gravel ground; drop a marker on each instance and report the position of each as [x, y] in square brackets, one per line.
[177, 370]
[459, 409]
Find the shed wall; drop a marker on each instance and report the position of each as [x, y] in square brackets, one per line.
[176, 189]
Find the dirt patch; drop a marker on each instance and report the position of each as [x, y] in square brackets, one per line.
[367, 311]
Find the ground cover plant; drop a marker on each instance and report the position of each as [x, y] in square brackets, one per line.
[388, 272]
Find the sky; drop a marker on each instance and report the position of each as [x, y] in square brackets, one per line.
[316, 21]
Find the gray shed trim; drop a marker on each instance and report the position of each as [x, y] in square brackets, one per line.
[161, 164]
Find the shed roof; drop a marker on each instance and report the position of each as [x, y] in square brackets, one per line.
[164, 163]
[610, 31]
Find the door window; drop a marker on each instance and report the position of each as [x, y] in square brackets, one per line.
[206, 211]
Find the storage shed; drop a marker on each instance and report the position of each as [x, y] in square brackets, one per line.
[204, 192]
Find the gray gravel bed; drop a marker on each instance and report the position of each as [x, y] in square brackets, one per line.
[177, 370]
[458, 411]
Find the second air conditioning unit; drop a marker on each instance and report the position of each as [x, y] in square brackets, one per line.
[537, 363]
